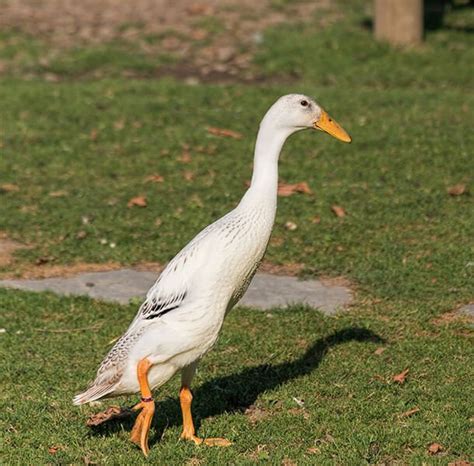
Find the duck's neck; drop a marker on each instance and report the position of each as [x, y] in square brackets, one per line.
[264, 184]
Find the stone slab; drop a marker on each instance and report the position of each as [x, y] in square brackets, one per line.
[265, 292]
[467, 310]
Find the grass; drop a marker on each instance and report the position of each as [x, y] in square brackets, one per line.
[246, 388]
[81, 148]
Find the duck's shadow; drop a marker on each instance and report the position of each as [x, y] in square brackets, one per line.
[238, 391]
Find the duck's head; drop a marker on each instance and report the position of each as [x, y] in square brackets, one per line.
[294, 112]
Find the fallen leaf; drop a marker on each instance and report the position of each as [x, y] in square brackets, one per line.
[313, 451]
[291, 226]
[379, 351]
[154, 179]
[188, 175]
[227, 133]
[114, 412]
[338, 210]
[460, 463]
[185, 157]
[400, 378]
[285, 190]
[316, 220]
[53, 450]
[138, 201]
[9, 188]
[81, 234]
[197, 9]
[119, 124]
[457, 190]
[435, 448]
[60, 193]
[93, 134]
[198, 34]
[410, 412]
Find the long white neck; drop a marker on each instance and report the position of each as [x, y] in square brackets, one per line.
[264, 184]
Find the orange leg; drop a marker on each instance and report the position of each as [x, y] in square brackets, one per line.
[185, 399]
[141, 428]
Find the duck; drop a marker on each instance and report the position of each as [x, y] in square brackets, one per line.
[183, 312]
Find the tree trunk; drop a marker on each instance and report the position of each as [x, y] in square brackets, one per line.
[399, 22]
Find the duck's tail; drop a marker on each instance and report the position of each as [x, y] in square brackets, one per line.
[94, 392]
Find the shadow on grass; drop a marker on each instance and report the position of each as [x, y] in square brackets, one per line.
[238, 391]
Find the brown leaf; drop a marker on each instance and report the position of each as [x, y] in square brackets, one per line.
[119, 124]
[138, 201]
[400, 378]
[313, 450]
[114, 412]
[53, 450]
[316, 220]
[60, 193]
[198, 34]
[188, 175]
[154, 179]
[197, 9]
[379, 351]
[9, 188]
[410, 412]
[93, 134]
[457, 190]
[460, 463]
[221, 132]
[338, 210]
[185, 157]
[435, 448]
[285, 190]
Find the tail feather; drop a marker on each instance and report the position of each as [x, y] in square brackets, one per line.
[94, 392]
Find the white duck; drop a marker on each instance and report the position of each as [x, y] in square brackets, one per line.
[184, 310]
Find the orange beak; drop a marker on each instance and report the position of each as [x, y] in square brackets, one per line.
[328, 125]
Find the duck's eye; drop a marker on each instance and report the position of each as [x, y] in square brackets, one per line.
[304, 103]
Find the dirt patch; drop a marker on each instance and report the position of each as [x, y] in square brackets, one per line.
[215, 39]
[291, 269]
[28, 271]
[458, 315]
[7, 249]
[336, 281]
[256, 414]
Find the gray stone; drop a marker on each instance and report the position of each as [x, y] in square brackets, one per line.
[265, 292]
[467, 310]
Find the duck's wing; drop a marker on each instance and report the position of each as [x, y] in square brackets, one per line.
[177, 284]
[174, 290]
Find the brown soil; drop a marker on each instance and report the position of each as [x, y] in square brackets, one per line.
[213, 39]
[7, 248]
[29, 271]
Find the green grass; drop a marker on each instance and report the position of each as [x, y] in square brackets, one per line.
[351, 413]
[405, 244]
